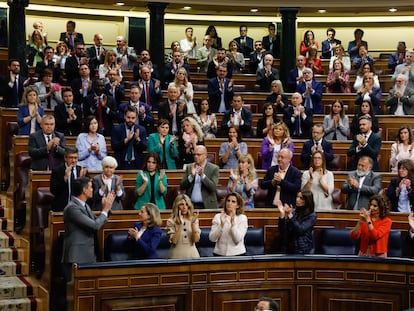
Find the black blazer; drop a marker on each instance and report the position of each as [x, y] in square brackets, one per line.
[306, 154]
[276, 46]
[214, 94]
[305, 124]
[109, 115]
[11, 98]
[164, 113]
[40, 155]
[372, 150]
[72, 128]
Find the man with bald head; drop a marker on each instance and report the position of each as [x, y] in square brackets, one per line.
[296, 74]
[96, 53]
[282, 181]
[200, 180]
[126, 55]
[298, 119]
[172, 110]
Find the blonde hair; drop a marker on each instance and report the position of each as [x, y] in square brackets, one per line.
[176, 207]
[196, 127]
[154, 213]
[26, 92]
[251, 175]
[176, 82]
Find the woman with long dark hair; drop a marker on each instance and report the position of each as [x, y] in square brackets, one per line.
[399, 191]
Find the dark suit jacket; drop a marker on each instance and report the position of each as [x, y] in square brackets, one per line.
[214, 94]
[60, 188]
[305, 124]
[155, 95]
[316, 96]
[120, 149]
[265, 81]
[370, 186]
[372, 150]
[77, 39]
[393, 197]
[254, 62]
[306, 154]
[119, 93]
[245, 128]
[97, 198]
[147, 121]
[212, 70]
[407, 101]
[94, 60]
[247, 48]
[326, 53]
[71, 69]
[266, 41]
[78, 98]
[40, 66]
[291, 83]
[72, 128]
[40, 155]
[289, 186]
[375, 99]
[169, 72]
[11, 98]
[109, 115]
[80, 233]
[208, 184]
[164, 113]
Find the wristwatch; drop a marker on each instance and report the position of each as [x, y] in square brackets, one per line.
[369, 222]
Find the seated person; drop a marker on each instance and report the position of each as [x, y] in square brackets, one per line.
[191, 136]
[237, 58]
[145, 234]
[370, 92]
[205, 54]
[336, 124]
[399, 192]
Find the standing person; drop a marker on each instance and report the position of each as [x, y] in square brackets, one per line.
[282, 181]
[96, 53]
[50, 94]
[244, 180]
[319, 181]
[317, 143]
[268, 74]
[297, 118]
[406, 69]
[296, 222]
[353, 46]
[108, 182]
[245, 43]
[82, 85]
[189, 43]
[71, 37]
[200, 180]
[62, 53]
[362, 58]
[151, 88]
[110, 63]
[238, 116]
[91, 145]
[81, 225]
[296, 74]
[183, 229]
[221, 59]
[365, 109]
[336, 124]
[191, 136]
[399, 191]
[271, 42]
[400, 99]
[398, 57]
[340, 55]
[206, 119]
[308, 43]
[277, 139]
[46, 146]
[329, 45]
[151, 183]
[128, 141]
[278, 96]
[264, 124]
[373, 228]
[145, 234]
[35, 49]
[127, 56]
[229, 227]
[47, 62]
[366, 143]
[311, 91]
[216, 40]
[173, 110]
[220, 91]
[256, 58]
[68, 115]
[359, 79]
[74, 63]
[403, 147]
[114, 87]
[63, 176]
[205, 54]
[231, 151]
[13, 84]
[237, 58]
[164, 144]
[171, 68]
[185, 88]
[30, 113]
[337, 80]
[145, 61]
[361, 184]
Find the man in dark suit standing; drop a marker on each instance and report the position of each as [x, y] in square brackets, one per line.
[271, 42]
[311, 91]
[128, 141]
[74, 62]
[200, 180]
[244, 42]
[71, 37]
[366, 143]
[282, 181]
[220, 91]
[298, 119]
[46, 146]
[12, 85]
[62, 178]
[172, 67]
[81, 225]
[361, 184]
[266, 75]
[68, 115]
[329, 45]
[151, 89]
[316, 143]
[96, 53]
[172, 110]
[296, 74]
[237, 116]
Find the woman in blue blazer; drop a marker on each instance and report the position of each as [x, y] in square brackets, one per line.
[164, 144]
[30, 113]
[151, 183]
[145, 234]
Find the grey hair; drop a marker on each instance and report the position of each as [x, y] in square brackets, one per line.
[109, 161]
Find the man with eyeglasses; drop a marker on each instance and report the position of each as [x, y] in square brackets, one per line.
[73, 63]
[200, 180]
[266, 304]
[406, 69]
[317, 143]
[400, 99]
[311, 91]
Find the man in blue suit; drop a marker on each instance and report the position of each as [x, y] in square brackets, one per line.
[311, 91]
[282, 181]
[128, 141]
[244, 42]
[220, 91]
[329, 45]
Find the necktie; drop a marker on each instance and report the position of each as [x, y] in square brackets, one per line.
[71, 180]
[98, 51]
[49, 98]
[100, 114]
[130, 147]
[298, 130]
[51, 158]
[308, 102]
[72, 41]
[147, 93]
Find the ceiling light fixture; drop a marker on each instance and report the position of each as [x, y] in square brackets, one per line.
[187, 8]
[254, 10]
[120, 3]
[321, 11]
[392, 10]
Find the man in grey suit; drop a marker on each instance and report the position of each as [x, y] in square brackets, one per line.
[46, 146]
[200, 180]
[361, 184]
[400, 99]
[81, 225]
[205, 54]
[126, 55]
